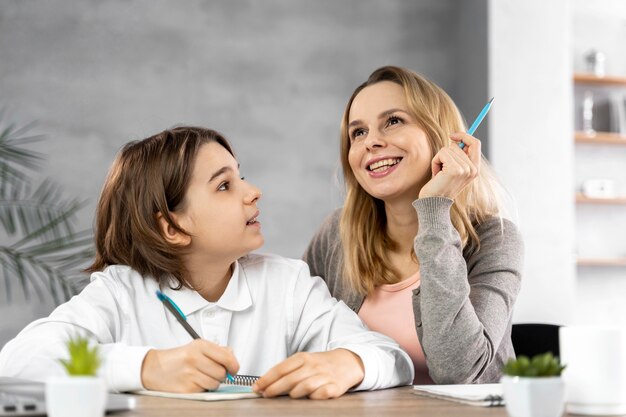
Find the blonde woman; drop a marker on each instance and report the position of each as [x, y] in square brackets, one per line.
[420, 249]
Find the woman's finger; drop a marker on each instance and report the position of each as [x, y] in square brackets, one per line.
[472, 146]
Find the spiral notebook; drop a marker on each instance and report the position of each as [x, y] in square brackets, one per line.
[238, 389]
[482, 395]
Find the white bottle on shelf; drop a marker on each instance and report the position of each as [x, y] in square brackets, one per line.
[588, 113]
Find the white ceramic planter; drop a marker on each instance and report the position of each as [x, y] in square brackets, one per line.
[533, 397]
[75, 396]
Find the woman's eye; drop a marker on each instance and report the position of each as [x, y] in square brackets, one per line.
[393, 120]
[356, 133]
[225, 186]
[243, 178]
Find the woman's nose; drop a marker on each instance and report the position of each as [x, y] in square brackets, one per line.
[374, 139]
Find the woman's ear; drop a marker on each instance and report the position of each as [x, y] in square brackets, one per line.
[170, 233]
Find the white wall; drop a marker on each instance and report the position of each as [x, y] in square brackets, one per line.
[600, 230]
[531, 145]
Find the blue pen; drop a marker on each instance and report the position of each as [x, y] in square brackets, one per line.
[173, 308]
[478, 120]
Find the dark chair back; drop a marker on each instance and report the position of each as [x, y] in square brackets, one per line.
[530, 339]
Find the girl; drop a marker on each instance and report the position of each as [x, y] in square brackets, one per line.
[419, 248]
[174, 215]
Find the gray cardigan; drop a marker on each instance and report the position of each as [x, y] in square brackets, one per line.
[464, 304]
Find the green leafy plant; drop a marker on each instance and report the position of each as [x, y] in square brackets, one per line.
[84, 360]
[40, 248]
[543, 365]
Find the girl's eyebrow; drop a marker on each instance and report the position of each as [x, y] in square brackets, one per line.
[381, 116]
[221, 171]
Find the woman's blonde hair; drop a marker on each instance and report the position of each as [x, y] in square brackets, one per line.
[363, 220]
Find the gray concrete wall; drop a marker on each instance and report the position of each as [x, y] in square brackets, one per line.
[472, 56]
[272, 75]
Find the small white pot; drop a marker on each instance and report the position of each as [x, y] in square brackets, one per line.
[75, 396]
[533, 397]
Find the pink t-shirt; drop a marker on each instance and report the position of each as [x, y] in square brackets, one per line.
[389, 310]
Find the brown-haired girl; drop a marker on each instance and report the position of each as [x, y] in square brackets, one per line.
[175, 215]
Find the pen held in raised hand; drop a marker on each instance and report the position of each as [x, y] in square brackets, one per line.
[478, 120]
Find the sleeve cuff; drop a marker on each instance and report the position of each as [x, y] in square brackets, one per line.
[382, 370]
[433, 212]
[122, 367]
[370, 366]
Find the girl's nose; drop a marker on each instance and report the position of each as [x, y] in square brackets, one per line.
[253, 194]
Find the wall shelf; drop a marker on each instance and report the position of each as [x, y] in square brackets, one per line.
[583, 199]
[601, 262]
[609, 80]
[600, 138]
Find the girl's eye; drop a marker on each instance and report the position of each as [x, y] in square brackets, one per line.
[225, 186]
[243, 178]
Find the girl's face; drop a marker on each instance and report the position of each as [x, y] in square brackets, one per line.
[389, 152]
[219, 210]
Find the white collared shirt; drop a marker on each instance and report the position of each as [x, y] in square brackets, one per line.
[271, 309]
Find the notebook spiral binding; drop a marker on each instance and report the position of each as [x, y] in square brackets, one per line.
[495, 400]
[246, 380]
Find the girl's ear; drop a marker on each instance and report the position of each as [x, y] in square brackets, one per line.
[170, 233]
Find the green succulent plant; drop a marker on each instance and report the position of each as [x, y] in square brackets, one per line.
[84, 360]
[542, 365]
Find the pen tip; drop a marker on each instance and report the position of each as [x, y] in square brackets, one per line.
[491, 99]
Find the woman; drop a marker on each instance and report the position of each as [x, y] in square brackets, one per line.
[419, 249]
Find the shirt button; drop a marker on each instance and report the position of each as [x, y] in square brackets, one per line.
[209, 314]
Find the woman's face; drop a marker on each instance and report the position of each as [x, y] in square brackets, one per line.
[389, 152]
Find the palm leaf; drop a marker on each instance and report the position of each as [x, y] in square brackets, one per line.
[47, 255]
[14, 157]
[42, 214]
[53, 267]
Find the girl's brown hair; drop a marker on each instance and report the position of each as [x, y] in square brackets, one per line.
[148, 178]
[363, 219]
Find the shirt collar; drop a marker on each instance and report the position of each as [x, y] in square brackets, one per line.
[236, 297]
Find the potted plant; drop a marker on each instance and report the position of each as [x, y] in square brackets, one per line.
[81, 393]
[534, 387]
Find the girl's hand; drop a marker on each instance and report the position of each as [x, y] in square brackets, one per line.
[194, 367]
[320, 375]
[453, 168]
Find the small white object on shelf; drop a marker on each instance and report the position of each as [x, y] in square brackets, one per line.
[599, 188]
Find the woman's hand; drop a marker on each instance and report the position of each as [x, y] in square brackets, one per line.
[194, 367]
[320, 375]
[453, 168]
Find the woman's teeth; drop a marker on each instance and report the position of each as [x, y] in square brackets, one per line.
[383, 164]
